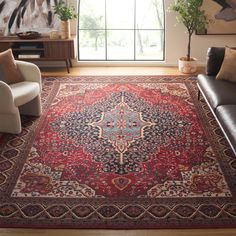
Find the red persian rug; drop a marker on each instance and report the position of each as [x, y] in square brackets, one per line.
[118, 152]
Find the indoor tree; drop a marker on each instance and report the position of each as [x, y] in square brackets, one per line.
[189, 13]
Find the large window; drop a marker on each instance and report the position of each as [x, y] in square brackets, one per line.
[121, 30]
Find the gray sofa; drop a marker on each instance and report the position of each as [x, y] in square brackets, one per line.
[220, 95]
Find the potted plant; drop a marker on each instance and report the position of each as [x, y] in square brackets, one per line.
[65, 14]
[194, 19]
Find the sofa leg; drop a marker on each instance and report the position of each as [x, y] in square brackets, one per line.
[198, 95]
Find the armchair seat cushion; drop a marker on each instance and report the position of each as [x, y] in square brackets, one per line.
[24, 91]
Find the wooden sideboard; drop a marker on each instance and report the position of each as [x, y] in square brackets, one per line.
[41, 49]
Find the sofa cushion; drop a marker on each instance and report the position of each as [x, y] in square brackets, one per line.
[217, 92]
[9, 72]
[226, 115]
[24, 91]
[215, 57]
[228, 67]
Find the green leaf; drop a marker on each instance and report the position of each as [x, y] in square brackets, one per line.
[65, 12]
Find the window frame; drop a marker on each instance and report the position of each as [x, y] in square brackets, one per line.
[135, 38]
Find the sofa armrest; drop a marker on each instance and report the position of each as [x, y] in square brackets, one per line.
[6, 99]
[30, 72]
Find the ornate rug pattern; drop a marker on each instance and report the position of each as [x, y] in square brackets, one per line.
[118, 152]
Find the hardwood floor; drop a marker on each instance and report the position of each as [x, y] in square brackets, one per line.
[113, 71]
[179, 232]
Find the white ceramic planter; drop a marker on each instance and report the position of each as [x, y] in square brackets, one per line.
[187, 67]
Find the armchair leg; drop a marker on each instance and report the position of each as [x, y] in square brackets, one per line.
[32, 108]
[10, 123]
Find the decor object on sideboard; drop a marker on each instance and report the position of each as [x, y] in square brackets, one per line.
[29, 35]
[194, 19]
[218, 87]
[65, 13]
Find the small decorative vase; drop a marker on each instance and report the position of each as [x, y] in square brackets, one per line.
[187, 67]
[65, 29]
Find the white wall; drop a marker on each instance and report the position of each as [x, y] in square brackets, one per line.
[176, 43]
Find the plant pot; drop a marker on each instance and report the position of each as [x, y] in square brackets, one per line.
[65, 29]
[187, 67]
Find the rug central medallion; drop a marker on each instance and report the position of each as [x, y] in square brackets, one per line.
[121, 126]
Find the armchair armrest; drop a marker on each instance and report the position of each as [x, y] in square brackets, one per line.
[6, 99]
[30, 72]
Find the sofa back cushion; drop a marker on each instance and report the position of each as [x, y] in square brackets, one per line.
[215, 57]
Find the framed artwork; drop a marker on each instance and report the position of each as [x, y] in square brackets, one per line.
[27, 15]
[222, 16]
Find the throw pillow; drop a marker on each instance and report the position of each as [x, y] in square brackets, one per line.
[228, 67]
[9, 73]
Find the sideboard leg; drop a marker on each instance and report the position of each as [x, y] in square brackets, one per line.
[67, 66]
[70, 62]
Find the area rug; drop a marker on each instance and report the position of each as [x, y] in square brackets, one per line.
[118, 152]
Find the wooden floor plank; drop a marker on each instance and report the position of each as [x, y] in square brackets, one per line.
[63, 232]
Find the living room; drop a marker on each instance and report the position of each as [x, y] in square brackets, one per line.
[108, 143]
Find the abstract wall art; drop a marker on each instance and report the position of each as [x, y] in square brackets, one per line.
[222, 16]
[27, 15]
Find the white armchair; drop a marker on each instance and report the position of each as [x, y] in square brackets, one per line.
[20, 98]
